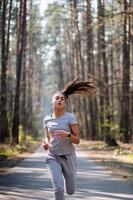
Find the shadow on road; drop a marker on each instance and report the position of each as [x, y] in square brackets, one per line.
[30, 180]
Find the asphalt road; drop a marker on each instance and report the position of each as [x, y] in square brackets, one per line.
[30, 181]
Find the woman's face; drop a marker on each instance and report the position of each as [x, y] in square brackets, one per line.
[59, 101]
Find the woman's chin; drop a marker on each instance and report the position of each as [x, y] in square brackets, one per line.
[58, 106]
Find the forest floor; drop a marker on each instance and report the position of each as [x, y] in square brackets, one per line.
[118, 160]
[17, 154]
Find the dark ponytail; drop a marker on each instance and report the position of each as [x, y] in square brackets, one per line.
[86, 88]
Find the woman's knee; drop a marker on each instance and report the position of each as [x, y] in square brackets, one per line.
[70, 191]
[59, 190]
[70, 186]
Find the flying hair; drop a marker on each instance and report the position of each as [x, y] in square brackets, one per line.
[85, 88]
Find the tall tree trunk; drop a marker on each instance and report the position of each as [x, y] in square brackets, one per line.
[74, 45]
[90, 63]
[68, 52]
[112, 65]
[131, 117]
[79, 65]
[103, 72]
[131, 49]
[100, 68]
[4, 132]
[60, 69]
[0, 5]
[23, 108]
[124, 122]
[30, 72]
[19, 53]
[8, 56]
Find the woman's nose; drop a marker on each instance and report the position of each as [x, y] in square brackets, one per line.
[59, 99]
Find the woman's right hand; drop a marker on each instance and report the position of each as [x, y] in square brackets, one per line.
[45, 145]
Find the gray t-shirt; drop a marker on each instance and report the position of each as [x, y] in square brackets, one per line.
[60, 146]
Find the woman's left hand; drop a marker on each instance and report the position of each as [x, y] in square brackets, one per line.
[61, 133]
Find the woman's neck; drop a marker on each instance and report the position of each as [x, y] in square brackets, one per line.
[58, 112]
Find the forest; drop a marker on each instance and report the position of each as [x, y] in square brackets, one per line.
[40, 51]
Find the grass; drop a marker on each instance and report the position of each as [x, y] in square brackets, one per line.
[7, 151]
[10, 156]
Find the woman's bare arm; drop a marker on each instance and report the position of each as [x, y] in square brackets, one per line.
[75, 134]
[47, 139]
[74, 137]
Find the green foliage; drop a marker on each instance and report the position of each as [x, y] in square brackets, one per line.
[112, 126]
[25, 138]
[129, 155]
[109, 131]
[21, 134]
[117, 150]
[8, 151]
[125, 154]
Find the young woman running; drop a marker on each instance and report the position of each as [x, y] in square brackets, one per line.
[61, 131]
